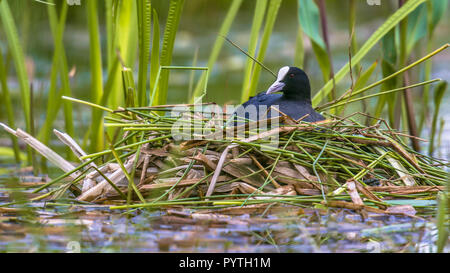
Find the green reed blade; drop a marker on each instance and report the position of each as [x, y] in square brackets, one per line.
[144, 11]
[96, 139]
[258, 17]
[59, 64]
[154, 60]
[19, 60]
[170, 32]
[223, 32]
[272, 13]
[439, 92]
[6, 99]
[390, 23]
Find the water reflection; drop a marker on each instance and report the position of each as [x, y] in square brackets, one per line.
[51, 227]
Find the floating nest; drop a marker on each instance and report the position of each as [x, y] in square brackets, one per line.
[333, 163]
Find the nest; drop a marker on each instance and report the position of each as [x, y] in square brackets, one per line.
[336, 163]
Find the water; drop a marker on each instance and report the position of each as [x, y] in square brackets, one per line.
[59, 227]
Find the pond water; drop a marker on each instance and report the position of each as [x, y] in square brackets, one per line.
[59, 227]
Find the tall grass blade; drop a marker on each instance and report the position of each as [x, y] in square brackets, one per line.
[109, 26]
[361, 81]
[408, 36]
[353, 43]
[388, 64]
[125, 45]
[192, 75]
[226, 25]
[390, 23]
[258, 17]
[154, 60]
[96, 139]
[308, 15]
[19, 60]
[442, 221]
[110, 87]
[416, 27]
[144, 10]
[327, 65]
[272, 13]
[352, 28]
[299, 56]
[309, 18]
[364, 78]
[129, 87]
[439, 92]
[391, 76]
[6, 99]
[170, 32]
[438, 9]
[53, 101]
[59, 65]
[435, 11]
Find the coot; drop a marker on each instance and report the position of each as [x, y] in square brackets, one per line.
[294, 101]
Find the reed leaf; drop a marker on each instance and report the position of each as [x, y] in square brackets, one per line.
[299, 56]
[192, 75]
[96, 138]
[59, 65]
[393, 75]
[109, 25]
[170, 32]
[128, 87]
[439, 92]
[125, 44]
[308, 15]
[389, 24]
[258, 17]
[322, 59]
[53, 102]
[10, 152]
[442, 221]
[388, 64]
[362, 80]
[6, 99]
[438, 9]
[272, 13]
[223, 32]
[154, 60]
[310, 21]
[435, 11]
[15, 49]
[144, 23]
[65, 85]
[365, 76]
[416, 27]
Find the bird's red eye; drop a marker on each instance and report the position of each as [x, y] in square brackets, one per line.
[291, 75]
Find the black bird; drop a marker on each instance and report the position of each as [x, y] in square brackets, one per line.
[294, 101]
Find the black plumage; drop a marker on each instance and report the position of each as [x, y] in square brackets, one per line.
[294, 101]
